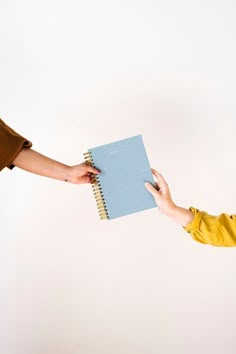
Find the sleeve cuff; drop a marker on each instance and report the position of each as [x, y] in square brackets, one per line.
[11, 143]
[13, 152]
[194, 224]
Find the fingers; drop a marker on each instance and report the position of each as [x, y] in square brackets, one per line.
[151, 189]
[92, 169]
[84, 179]
[161, 181]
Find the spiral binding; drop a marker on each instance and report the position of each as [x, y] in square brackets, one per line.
[97, 189]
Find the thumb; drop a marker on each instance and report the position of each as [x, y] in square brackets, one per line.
[90, 168]
[151, 189]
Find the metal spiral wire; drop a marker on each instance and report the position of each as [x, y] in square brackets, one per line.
[97, 189]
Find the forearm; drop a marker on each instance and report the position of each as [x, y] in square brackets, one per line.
[180, 215]
[34, 162]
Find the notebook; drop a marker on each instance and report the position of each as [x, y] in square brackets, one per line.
[119, 189]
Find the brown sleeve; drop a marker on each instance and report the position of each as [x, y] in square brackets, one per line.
[11, 144]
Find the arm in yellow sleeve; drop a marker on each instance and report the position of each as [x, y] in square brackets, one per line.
[213, 230]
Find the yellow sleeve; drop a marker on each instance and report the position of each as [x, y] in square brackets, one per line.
[213, 230]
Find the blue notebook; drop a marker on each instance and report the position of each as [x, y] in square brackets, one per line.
[119, 189]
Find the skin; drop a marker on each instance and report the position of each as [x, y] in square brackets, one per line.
[162, 196]
[34, 162]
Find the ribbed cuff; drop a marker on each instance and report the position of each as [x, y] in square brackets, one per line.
[194, 224]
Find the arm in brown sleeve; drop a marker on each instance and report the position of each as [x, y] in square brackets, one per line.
[11, 144]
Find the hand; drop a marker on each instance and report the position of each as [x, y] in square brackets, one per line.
[161, 193]
[34, 162]
[82, 173]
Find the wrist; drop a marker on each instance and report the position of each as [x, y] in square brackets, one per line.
[68, 173]
[168, 209]
[180, 215]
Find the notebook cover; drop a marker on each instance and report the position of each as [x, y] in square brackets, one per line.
[125, 168]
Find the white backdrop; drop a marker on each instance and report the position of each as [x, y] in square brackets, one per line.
[76, 74]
